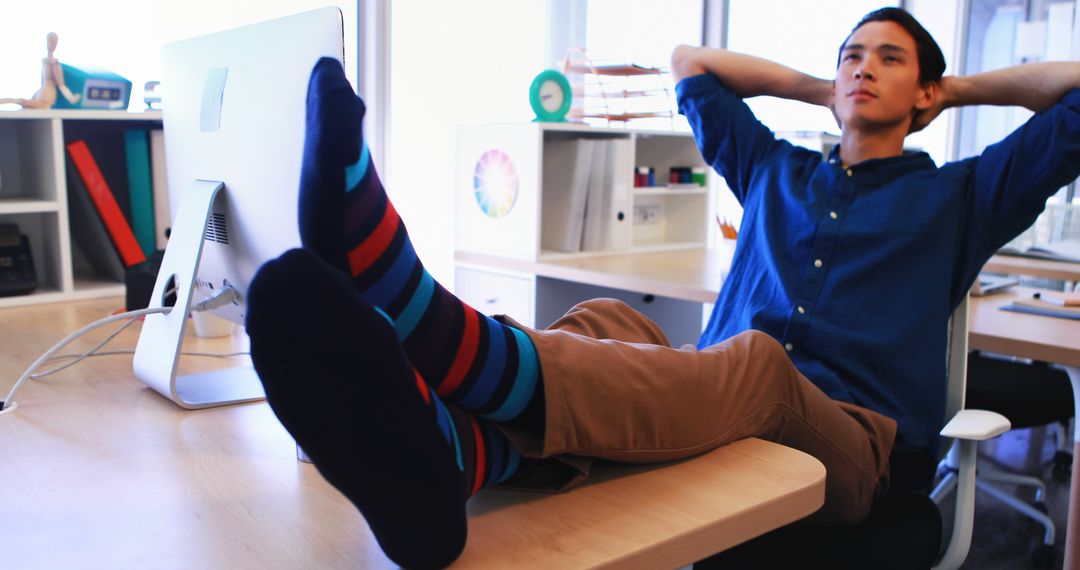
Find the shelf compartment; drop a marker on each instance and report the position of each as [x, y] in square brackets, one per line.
[40, 229]
[675, 218]
[27, 151]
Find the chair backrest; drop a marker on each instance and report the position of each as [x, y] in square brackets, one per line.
[957, 357]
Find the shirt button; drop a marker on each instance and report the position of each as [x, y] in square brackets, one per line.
[849, 173]
[818, 263]
[832, 161]
[833, 215]
[802, 311]
[789, 347]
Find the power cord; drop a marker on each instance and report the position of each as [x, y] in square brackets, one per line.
[91, 353]
[9, 400]
[220, 297]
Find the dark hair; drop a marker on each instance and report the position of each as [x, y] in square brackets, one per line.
[931, 60]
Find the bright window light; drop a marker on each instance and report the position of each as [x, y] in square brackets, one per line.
[802, 35]
[125, 36]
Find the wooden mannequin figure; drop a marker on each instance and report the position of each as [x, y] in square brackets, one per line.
[52, 79]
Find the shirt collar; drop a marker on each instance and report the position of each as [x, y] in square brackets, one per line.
[879, 170]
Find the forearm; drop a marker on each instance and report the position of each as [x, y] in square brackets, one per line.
[1036, 86]
[750, 76]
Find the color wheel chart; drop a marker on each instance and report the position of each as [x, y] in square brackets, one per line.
[495, 182]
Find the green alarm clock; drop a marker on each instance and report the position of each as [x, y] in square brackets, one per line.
[549, 96]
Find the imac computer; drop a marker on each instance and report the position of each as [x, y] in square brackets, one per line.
[234, 113]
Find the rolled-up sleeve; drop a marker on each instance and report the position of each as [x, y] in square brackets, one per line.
[730, 137]
[1012, 179]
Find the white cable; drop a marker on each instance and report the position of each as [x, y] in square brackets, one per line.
[90, 354]
[221, 297]
[79, 357]
[9, 400]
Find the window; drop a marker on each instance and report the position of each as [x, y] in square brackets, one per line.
[125, 36]
[802, 35]
[452, 64]
[1003, 33]
[641, 31]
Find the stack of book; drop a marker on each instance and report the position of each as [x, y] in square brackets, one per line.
[119, 198]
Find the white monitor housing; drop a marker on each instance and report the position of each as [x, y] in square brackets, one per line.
[234, 113]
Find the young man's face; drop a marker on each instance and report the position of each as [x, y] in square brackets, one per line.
[877, 83]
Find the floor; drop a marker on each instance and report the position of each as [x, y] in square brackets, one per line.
[1003, 538]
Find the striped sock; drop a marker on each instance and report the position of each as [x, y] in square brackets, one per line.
[337, 377]
[483, 454]
[479, 364]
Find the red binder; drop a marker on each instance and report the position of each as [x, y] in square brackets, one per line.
[105, 203]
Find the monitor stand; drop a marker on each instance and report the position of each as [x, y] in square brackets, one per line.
[158, 350]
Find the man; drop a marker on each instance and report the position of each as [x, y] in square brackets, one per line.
[855, 263]
[409, 401]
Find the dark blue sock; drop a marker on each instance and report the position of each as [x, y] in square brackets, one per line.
[472, 360]
[337, 377]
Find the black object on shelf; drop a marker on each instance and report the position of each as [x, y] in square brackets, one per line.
[17, 275]
[139, 281]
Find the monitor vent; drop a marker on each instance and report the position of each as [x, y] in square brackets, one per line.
[216, 229]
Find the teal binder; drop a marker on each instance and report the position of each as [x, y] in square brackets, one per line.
[141, 188]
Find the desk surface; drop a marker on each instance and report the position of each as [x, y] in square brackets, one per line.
[1035, 267]
[97, 467]
[688, 274]
[1050, 339]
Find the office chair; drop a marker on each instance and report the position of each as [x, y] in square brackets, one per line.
[904, 528]
[1030, 395]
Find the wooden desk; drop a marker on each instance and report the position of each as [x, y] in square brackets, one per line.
[687, 274]
[96, 469]
[1048, 339]
[1063, 270]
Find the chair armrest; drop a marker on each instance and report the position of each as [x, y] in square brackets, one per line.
[967, 427]
[976, 425]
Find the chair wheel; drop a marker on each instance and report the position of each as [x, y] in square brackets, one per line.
[1042, 556]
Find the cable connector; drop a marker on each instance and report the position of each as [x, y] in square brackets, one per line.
[222, 296]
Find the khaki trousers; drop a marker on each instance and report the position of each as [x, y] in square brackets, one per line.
[616, 390]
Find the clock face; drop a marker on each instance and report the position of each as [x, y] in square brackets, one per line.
[551, 96]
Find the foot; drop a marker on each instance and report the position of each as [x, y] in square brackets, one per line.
[339, 381]
[346, 218]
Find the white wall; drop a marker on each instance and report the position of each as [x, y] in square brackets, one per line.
[452, 63]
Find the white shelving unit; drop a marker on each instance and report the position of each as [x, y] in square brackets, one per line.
[656, 218]
[510, 162]
[33, 194]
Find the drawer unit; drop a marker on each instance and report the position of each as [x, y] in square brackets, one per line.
[495, 293]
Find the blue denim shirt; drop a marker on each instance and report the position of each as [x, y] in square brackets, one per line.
[856, 270]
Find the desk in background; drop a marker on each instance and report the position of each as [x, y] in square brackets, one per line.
[1049, 339]
[1034, 267]
[97, 469]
